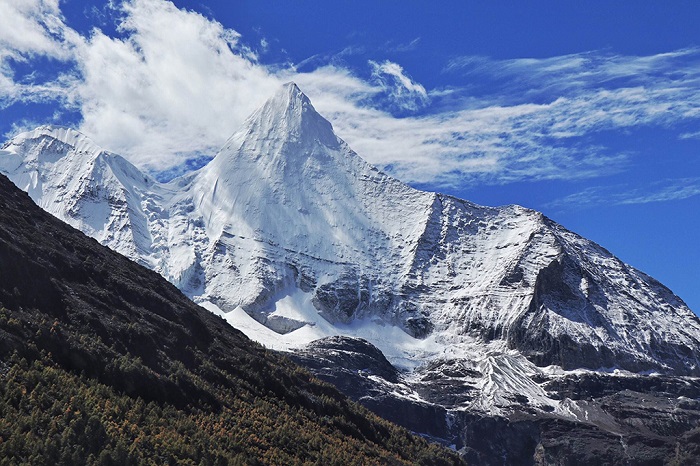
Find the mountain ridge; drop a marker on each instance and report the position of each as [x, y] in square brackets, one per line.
[103, 361]
[308, 234]
[495, 322]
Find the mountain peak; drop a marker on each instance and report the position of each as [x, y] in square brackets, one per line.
[68, 136]
[288, 117]
[281, 145]
[289, 96]
[292, 90]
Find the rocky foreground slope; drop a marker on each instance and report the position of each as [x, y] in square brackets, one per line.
[104, 362]
[292, 237]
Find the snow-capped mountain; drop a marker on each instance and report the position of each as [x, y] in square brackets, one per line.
[293, 237]
[93, 190]
[288, 221]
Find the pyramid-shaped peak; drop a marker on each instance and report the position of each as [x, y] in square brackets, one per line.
[290, 96]
[292, 90]
[289, 116]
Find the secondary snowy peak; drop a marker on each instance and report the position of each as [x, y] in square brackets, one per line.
[73, 178]
[70, 137]
[29, 155]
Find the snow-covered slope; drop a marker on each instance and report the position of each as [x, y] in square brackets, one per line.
[292, 237]
[286, 205]
[93, 190]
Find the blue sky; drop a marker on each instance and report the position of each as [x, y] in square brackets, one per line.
[587, 111]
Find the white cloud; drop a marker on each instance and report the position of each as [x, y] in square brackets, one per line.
[31, 27]
[661, 191]
[178, 83]
[173, 84]
[403, 91]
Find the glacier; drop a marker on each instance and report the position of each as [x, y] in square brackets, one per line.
[292, 237]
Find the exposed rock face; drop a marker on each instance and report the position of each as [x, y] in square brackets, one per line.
[292, 237]
[362, 372]
[349, 355]
[286, 208]
[601, 418]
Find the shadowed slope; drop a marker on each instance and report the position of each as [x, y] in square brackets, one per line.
[89, 338]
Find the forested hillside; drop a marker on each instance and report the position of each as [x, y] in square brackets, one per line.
[104, 362]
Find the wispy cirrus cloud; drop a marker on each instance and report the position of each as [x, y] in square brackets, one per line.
[402, 47]
[172, 85]
[531, 79]
[533, 118]
[403, 92]
[506, 143]
[691, 135]
[624, 194]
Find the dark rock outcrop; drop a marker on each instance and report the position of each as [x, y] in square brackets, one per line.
[612, 418]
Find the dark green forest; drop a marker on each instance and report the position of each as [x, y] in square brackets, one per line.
[104, 362]
[49, 416]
